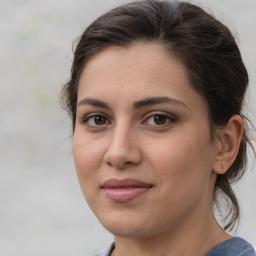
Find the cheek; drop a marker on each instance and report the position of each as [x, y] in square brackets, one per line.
[184, 160]
[88, 158]
[183, 170]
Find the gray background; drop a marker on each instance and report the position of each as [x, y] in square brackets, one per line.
[42, 211]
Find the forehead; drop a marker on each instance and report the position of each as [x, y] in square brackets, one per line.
[142, 69]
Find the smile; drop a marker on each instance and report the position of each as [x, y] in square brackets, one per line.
[124, 190]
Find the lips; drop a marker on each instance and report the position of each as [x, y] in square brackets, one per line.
[125, 189]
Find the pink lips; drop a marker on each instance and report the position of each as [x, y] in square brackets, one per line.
[125, 189]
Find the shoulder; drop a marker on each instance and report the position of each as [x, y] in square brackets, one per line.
[106, 252]
[233, 246]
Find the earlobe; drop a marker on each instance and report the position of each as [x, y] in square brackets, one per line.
[227, 144]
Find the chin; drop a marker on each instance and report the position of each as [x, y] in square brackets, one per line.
[128, 232]
[125, 226]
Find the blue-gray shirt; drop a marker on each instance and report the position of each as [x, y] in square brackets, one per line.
[234, 246]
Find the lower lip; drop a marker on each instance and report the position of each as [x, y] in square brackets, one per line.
[124, 194]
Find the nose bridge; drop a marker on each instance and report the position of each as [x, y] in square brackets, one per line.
[121, 142]
[122, 148]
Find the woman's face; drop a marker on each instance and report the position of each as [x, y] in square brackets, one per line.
[142, 145]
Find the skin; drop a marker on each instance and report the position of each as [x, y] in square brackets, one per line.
[178, 157]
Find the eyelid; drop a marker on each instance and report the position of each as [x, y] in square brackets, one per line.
[85, 118]
[171, 117]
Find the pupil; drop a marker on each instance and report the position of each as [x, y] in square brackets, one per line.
[99, 120]
[160, 119]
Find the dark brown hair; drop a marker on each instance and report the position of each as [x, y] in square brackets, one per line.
[206, 47]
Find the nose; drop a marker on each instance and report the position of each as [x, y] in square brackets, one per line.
[123, 149]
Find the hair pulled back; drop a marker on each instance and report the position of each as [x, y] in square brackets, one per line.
[204, 45]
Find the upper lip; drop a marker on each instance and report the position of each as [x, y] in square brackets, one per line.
[125, 183]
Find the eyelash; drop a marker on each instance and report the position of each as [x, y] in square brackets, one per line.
[92, 117]
[167, 120]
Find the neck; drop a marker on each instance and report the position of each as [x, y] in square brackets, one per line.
[187, 239]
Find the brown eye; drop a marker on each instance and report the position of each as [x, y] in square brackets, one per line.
[100, 120]
[96, 120]
[160, 119]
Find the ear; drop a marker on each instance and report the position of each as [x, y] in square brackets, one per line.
[227, 144]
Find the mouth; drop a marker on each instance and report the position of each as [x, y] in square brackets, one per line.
[125, 189]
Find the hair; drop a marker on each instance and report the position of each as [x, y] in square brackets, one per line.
[203, 44]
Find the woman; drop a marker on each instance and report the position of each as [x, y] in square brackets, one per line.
[155, 96]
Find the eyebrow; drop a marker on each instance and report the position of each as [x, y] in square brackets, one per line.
[93, 102]
[157, 100]
[138, 104]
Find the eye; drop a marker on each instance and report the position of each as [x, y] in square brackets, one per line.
[159, 120]
[96, 120]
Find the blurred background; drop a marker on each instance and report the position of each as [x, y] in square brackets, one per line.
[42, 211]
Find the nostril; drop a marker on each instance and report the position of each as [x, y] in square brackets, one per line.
[121, 155]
